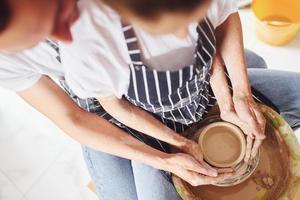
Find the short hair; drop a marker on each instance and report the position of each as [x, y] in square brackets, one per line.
[151, 9]
[5, 14]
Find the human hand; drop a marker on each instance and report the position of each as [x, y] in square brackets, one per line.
[246, 114]
[195, 173]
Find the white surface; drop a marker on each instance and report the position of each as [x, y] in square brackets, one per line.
[38, 162]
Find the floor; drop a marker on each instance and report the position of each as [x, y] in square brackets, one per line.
[39, 162]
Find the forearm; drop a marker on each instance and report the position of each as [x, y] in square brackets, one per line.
[97, 133]
[230, 45]
[220, 85]
[87, 128]
[142, 121]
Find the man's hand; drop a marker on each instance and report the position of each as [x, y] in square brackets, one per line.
[192, 171]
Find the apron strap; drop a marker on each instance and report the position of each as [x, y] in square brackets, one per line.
[132, 43]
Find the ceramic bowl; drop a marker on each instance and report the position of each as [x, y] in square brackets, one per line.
[242, 170]
[223, 144]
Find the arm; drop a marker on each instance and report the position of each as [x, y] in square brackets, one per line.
[87, 128]
[95, 132]
[142, 121]
[247, 114]
[223, 96]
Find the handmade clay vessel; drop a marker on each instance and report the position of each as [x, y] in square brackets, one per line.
[223, 144]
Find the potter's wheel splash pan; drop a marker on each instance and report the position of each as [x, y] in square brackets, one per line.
[276, 177]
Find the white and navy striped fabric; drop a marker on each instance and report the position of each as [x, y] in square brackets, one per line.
[177, 98]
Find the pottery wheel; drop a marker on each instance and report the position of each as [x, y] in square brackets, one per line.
[242, 171]
[267, 182]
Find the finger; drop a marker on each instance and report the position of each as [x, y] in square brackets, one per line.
[213, 171]
[193, 165]
[224, 170]
[248, 148]
[262, 123]
[234, 119]
[197, 153]
[188, 177]
[212, 180]
[192, 178]
[255, 148]
[246, 115]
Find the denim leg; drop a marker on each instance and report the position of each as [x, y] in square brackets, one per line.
[253, 60]
[153, 184]
[111, 175]
[282, 88]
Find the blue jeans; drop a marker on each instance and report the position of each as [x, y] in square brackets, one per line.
[121, 179]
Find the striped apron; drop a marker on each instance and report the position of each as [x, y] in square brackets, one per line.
[176, 98]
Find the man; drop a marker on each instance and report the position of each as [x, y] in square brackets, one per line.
[25, 24]
[28, 60]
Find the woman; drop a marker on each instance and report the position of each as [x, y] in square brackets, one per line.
[132, 62]
[116, 178]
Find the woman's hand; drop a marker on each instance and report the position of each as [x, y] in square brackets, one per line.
[194, 150]
[246, 114]
[191, 170]
[191, 167]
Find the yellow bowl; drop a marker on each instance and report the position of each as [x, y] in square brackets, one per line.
[276, 32]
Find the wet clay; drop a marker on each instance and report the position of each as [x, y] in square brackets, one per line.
[266, 183]
[221, 146]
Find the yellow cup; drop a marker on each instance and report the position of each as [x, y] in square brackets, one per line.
[275, 32]
[278, 21]
[277, 10]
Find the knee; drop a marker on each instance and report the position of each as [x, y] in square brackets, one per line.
[254, 60]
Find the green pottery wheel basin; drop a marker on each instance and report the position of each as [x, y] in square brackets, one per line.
[277, 176]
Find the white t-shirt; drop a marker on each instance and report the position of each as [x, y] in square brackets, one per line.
[96, 63]
[21, 70]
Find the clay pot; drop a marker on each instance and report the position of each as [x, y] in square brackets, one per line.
[223, 144]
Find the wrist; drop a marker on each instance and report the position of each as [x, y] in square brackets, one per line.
[183, 144]
[241, 95]
[161, 162]
[225, 103]
[175, 139]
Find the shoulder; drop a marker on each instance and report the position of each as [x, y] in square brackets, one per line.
[98, 32]
[220, 10]
[20, 70]
[45, 53]
[95, 14]
[96, 62]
